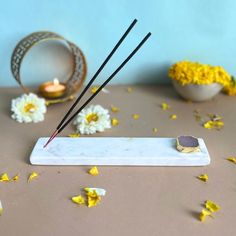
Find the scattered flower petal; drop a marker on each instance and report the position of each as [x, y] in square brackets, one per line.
[32, 176]
[99, 191]
[4, 178]
[28, 108]
[211, 206]
[114, 109]
[204, 214]
[15, 178]
[94, 89]
[92, 119]
[155, 130]
[93, 171]
[114, 121]
[232, 159]
[1, 208]
[129, 90]
[165, 106]
[203, 177]
[213, 124]
[93, 198]
[76, 135]
[173, 117]
[78, 200]
[135, 116]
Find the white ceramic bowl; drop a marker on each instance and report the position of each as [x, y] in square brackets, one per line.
[197, 93]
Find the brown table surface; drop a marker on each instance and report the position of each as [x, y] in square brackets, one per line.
[139, 200]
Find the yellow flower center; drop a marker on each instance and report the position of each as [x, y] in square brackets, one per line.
[92, 117]
[30, 107]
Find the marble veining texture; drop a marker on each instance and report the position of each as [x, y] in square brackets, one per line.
[116, 151]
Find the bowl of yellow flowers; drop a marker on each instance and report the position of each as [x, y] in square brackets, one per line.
[198, 82]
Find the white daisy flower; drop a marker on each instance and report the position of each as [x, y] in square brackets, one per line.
[92, 119]
[28, 108]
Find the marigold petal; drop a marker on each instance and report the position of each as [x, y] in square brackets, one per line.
[135, 116]
[76, 135]
[203, 177]
[114, 121]
[165, 106]
[232, 159]
[4, 178]
[15, 178]
[173, 117]
[93, 198]
[211, 206]
[32, 176]
[204, 213]
[94, 171]
[78, 199]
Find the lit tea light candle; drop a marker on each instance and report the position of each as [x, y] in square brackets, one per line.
[52, 89]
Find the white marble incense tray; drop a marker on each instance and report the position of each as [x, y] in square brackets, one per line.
[116, 151]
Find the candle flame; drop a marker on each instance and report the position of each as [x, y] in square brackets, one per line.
[56, 81]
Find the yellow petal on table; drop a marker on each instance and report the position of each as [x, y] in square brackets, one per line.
[154, 130]
[78, 200]
[94, 171]
[165, 106]
[173, 117]
[4, 178]
[114, 109]
[232, 159]
[74, 135]
[114, 121]
[204, 213]
[15, 178]
[1, 208]
[135, 116]
[211, 206]
[129, 90]
[32, 176]
[94, 89]
[93, 198]
[203, 177]
[213, 124]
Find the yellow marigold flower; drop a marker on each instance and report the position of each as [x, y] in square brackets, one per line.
[76, 135]
[211, 206]
[78, 200]
[230, 89]
[204, 177]
[4, 178]
[32, 176]
[93, 198]
[114, 109]
[204, 213]
[94, 171]
[165, 106]
[186, 72]
[94, 89]
[173, 117]
[114, 121]
[135, 116]
[232, 159]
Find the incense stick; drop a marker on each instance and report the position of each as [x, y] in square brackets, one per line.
[62, 126]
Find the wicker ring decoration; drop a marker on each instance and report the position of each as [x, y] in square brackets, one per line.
[75, 80]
